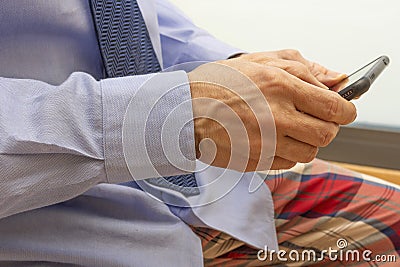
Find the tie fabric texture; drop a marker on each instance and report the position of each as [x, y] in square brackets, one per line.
[126, 49]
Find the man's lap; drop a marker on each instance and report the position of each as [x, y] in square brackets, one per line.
[318, 205]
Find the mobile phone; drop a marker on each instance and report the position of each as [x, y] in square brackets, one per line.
[361, 80]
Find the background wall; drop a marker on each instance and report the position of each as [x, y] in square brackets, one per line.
[342, 34]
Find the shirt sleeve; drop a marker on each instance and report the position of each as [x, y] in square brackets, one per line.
[182, 41]
[56, 142]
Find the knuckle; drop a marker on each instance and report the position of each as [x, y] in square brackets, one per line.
[282, 123]
[333, 108]
[265, 72]
[266, 75]
[276, 79]
[282, 164]
[310, 154]
[299, 67]
[304, 71]
[290, 164]
[327, 135]
[293, 52]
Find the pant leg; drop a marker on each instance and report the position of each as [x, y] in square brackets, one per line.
[320, 206]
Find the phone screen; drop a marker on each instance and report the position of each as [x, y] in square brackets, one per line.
[357, 83]
[352, 78]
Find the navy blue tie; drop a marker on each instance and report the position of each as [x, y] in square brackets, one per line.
[123, 37]
[126, 49]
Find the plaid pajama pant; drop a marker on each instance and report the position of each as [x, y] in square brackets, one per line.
[320, 207]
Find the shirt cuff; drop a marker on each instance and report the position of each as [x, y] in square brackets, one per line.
[148, 126]
[211, 49]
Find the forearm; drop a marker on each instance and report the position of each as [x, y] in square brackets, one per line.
[59, 141]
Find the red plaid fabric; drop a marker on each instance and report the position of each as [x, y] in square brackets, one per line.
[316, 205]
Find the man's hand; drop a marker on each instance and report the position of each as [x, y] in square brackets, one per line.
[325, 76]
[306, 115]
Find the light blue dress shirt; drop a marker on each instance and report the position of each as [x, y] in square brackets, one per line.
[60, 132]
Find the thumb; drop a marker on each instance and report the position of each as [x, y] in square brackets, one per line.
[333, 79]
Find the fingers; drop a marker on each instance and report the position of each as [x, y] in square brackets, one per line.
[292, 54]
[323, 104]
[294, 150]
[300, 135]
[326, 76]
[309, 130]
[299, 70]
[313, 121]
[337, 86]
[320, 76]
[306, 115]
[281, 164]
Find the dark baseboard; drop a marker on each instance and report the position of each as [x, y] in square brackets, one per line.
[370, 147]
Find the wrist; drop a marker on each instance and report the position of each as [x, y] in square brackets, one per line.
[197, 90]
